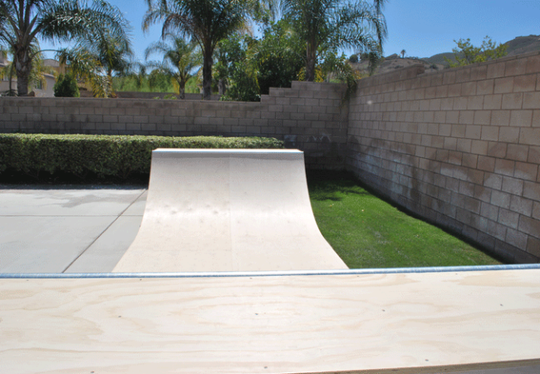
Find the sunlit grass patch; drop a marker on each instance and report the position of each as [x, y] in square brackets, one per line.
[368, 232]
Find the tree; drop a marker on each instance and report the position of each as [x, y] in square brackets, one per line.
[403, 53]
[112, 52]
[180, 59]
[334, 24]
[467, 54]
[37, 74]
[23, 21]
[236, 69]
[107, 55]
[66, 86]
[205, 22]
[279, 57]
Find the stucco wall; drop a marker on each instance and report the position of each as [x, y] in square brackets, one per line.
[460, 147]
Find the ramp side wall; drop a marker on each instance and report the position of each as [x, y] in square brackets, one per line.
[460, 147]
[308, 116]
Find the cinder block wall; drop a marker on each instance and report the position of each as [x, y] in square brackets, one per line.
[308, 116]
[460, 147]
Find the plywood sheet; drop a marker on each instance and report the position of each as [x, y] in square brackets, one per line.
[410, 323]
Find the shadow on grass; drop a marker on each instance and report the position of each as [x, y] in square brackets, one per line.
[332, 185]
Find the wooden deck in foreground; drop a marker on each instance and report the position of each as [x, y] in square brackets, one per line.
[379, 323]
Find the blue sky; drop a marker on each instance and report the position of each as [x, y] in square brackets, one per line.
[421, 27]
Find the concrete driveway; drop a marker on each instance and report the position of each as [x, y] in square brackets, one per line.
[67, 229]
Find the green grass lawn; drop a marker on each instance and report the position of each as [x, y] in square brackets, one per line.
[367, 232]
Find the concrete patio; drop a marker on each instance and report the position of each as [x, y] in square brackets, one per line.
[67, 229]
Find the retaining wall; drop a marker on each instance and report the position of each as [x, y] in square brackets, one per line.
[460, 147]
[308, 116]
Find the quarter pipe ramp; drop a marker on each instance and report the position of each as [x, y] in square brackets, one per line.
[228, 210]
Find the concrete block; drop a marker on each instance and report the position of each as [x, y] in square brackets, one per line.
[475, 102]
[486, 163]
[517, 152]
[536, 210]
[515, 67]
[533, 64]
[464, 145]
[521, 205]
[500, 199]
[449, 77]
[454, 90]
[509, 134]
[533, 247]
[485, 87]
[469, 160]
[493, 102]
[483, 194]
[496, 70]
[530, 136]
[534, 155]
[496, 149]
[489, 211]
[516, 238]
[490, 133]
[473, 132]
[512, 186]
[531, 190]
[482, 117]
[512, 101]
[504, 167]
[531, 100]
[468, 88]
[504, 85]
[526, 171]
[500, 118]
[479, 147]
[440, 92]
[525, 83]
[529, 226]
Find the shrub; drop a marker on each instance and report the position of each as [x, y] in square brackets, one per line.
[101, 155]
[66, 86]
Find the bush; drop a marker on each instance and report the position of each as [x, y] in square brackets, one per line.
[101, 155]
[66, 86]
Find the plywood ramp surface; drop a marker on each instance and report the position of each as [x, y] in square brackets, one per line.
[404, 323]
[228, 210]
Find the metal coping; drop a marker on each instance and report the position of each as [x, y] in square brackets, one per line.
[439, 269]
[226, 150]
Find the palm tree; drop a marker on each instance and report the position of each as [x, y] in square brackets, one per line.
[334, 24]
[403, 53]
[205, 22]
[23, 21]
[95, 61]
[85, 67]
[180, 59]
[37, 74]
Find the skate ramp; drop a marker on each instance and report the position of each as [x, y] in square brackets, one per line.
[228, 210]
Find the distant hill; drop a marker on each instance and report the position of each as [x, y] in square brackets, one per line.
[516, 46]
[523, 44]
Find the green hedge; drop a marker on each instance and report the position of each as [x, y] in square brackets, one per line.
[101, 155]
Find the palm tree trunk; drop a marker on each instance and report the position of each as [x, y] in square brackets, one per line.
[311, 61]
[182, 90]
[23, 66]
[207, 73]
[221, 86]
